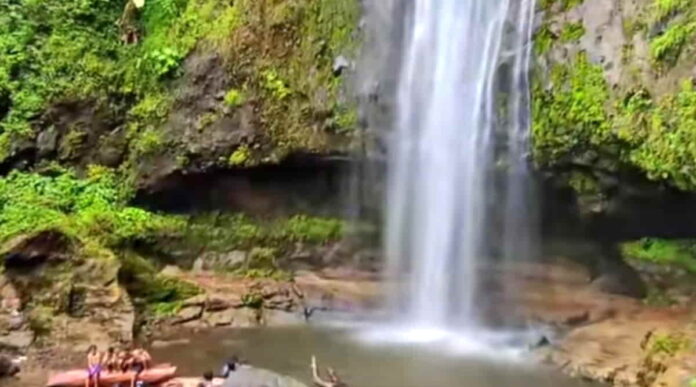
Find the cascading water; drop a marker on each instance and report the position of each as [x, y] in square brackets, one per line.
[457, 175]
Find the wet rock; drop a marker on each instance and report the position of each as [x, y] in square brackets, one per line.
[171, 271]
[15, 321]
[198, 265]
[256, 377]
[16, 340]
[271, 317]
[577, 319]
[196, 301]
[218, 303]
[187, 314]
[340, 64]
[47, 141]
[245, 318]
[8, 367]
[221, 318]
[220, 261]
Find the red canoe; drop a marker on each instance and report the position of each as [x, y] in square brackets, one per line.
[76, 378]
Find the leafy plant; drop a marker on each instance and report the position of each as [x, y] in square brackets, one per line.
[668, 46]
[681, 253]
[669, 344]
[164, 61]
[273, 83]
[92, 209]
[240, 156]
[252, 300]
[234, 98]
[572, 32]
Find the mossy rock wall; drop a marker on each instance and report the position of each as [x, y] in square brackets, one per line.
[613, 95]
[178, 84]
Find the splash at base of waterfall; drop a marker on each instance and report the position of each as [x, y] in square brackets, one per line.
[493, 345]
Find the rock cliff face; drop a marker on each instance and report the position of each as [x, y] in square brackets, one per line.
[613, 93]
[178, 85]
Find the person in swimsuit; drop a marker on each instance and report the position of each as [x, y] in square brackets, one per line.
[93, 366]
[110, 360]
[140, 361]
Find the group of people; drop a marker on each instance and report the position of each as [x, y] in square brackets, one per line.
[134, 360]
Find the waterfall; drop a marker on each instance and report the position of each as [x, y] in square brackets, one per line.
[458, 179]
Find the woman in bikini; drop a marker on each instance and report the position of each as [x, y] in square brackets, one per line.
[93, 366]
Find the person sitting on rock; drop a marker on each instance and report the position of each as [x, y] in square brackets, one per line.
[110, 360]
[207, 380]
[123, 360]
[93, 366]
[140, 361]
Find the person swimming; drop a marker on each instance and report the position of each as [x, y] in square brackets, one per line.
[93, 366]
[229, 366]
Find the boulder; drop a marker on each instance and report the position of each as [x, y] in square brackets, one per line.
[271, 317]
[255, 377]
[221, 318]
[188, 313]
[171, 271]
[16, 340]
[7, 367]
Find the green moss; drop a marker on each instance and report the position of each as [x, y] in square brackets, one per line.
[572, 32]
[584, 183]
[667, 47]
[292, 79]
[680, 253]
[234, 98]
[662, 143]
[277, 87]
[164, 309]
[668, 344]
[92, 210]
[141, 279]
[240, 156]
[563, 4]
[222, 233]
[252, 300]
[571, 115]
[544, 39]
[282, 52]
[40, 319]
[71, 144]
[663, 9]
[302, 228]
[149, 141]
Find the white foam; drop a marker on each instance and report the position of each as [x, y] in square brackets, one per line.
[490, 345]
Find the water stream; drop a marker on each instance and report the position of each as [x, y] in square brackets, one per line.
[458, 177]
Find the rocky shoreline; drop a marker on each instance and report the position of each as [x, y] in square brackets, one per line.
[593, 335]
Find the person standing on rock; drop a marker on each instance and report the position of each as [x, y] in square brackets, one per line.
[93, 366]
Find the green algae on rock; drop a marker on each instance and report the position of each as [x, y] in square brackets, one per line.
[278, 56]
[615, 112]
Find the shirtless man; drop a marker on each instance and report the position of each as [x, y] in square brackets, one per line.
[140, 361]
[93, 366]
[110, 360]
